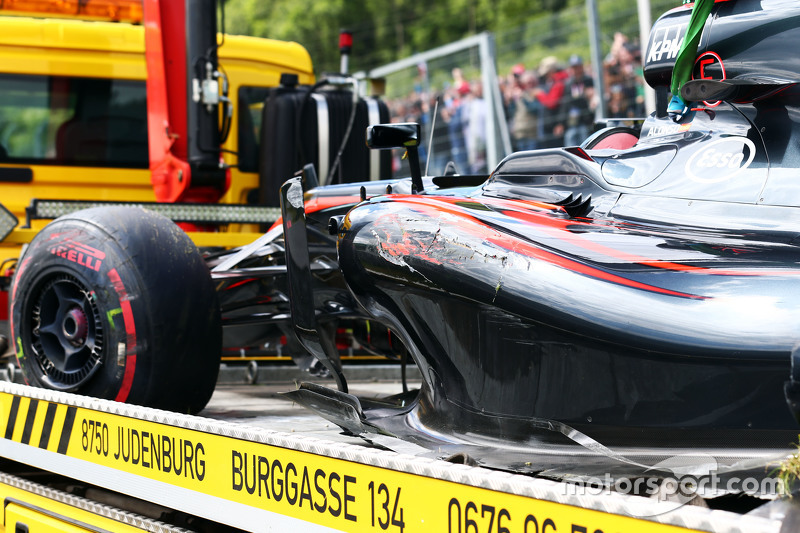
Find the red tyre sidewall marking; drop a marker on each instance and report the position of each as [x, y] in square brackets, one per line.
[14, 341]
[130, 330]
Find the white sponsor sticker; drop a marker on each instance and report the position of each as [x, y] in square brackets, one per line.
[660, 130]
[720, 160]
[666, 43]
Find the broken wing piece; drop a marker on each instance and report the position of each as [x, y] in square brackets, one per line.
[301, 297]
[341, 408]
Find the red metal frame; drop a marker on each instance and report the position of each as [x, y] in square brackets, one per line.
[166, 109]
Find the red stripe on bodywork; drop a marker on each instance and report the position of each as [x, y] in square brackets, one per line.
[486, 232]
[323, 202]
[690, 5]
[575, 266]
[130, 330]
[558, 230]
[538, 214]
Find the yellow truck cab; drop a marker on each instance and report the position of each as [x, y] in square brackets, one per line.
[59, 74]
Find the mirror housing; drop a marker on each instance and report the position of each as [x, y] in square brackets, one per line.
[401, 135]
[387, 136]
[7, 222]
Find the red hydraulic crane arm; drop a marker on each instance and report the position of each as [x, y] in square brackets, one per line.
[166, 112]
[183, 101]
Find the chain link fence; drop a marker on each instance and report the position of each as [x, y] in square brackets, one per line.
[537, 88]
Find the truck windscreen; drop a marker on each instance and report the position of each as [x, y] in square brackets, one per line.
[73, 121]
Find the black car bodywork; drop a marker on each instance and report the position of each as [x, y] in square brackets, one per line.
[588, 299]
[587, 310]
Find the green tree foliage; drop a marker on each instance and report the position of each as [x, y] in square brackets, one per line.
[392, 29]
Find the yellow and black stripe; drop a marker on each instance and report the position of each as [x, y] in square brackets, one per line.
[217, 474]
[40, 423]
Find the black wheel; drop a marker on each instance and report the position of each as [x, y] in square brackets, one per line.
[117, 303]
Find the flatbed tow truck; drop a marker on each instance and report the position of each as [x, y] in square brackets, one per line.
[253, 461]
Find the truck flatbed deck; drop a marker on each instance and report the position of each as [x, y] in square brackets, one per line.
[255, 462]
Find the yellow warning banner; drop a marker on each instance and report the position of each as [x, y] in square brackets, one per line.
[336, 493]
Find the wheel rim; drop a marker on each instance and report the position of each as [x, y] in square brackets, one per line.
[67, 334]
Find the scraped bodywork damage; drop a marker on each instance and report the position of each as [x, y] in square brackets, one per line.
[438, 241]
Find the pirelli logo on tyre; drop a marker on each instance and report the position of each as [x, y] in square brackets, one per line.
[335, 493]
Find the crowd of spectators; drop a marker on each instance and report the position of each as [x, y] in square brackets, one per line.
[551, 104]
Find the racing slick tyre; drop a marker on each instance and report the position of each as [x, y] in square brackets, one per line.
[117, 303]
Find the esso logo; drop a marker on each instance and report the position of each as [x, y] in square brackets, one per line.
[720, 160]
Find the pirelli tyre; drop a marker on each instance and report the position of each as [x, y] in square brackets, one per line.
[117, 303]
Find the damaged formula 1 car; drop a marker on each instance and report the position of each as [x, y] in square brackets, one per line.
[620, 302]
[615, 301]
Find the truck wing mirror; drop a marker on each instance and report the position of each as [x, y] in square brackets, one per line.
[7, 222]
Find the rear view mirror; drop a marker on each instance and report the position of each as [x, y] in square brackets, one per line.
[386, 136]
